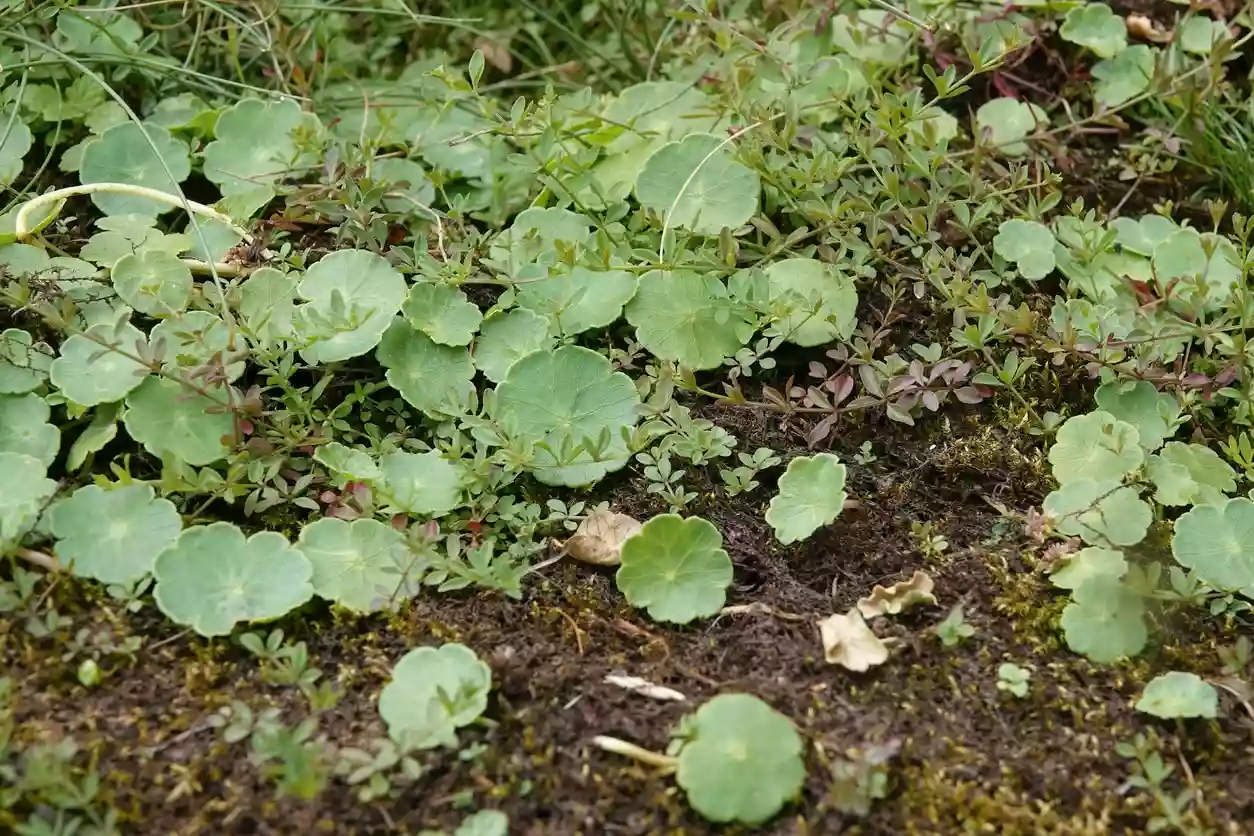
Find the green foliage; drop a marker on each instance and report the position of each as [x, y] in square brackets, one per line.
[138, 155]
[24, 428]
[687, 318]
[739, 759]
[169, 419]
[1217, 543]
[676, 569]
[350, 299]
[1096, 445]
[1013, 679]
[23, 491]
[357, 563]
[696, 184]
[1030, 245]
[1105, 620]
[811, 495]
[256, 144]
[1095, 26]
[442, 312]
[113, 535]
[213, 577]
[434, 692]
[1178, 694]
[567, 397]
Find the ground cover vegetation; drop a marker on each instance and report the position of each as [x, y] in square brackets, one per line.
[626, 417]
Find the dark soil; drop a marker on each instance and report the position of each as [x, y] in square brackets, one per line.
[972, 760]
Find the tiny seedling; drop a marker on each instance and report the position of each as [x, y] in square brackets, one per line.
[1013, 679]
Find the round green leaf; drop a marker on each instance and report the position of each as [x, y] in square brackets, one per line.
[24, 428]
[1005, 121]
[426, 484]
[696, 184]
[154, 282]
[1100, 512]
[1190, 474]
[484, 823]
[1088, 563]
[506, 336]
[171, 419]
[1137, 402]
[675, 568]
[87, 373]
[15, 141]
[352, 296]
[432, 693]
[1123, 77]
[1095, 26]
[408, 181]
[356, 564]
[23, 491]
[821, 285]
[535, 235]
[1095, 446]
[434, 378]
[195, 339]
[1030, 245]
[212, 578]
[24, 363]
[256, 144]
[740, 760]
[1179, 694]
[114, 535]
[125, 154]
[442, 312]
[563, 397]
[1199, 34]
[811, 495]
[687, 318]
[1217, 543]
[347, 462]
[577, 299]
[1105, 620]
[267, 303]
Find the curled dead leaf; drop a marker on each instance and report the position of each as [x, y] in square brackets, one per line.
[1140, 26]
[901, 596]
[848, 642]
[599, 538]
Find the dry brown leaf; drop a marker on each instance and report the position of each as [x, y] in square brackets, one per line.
[901, 596]
[848, 642]
[496, 52]
[1140, 26]
[599, 538]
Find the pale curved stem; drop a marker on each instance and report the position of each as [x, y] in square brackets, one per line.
[22, 223]
[636, 753]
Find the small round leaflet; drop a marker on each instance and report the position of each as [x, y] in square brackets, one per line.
[740, 760]
[137, 155]
[433, 692]
[213, 577]
[675, 568]
[697, 184]
[23, 491]
[358, 564]
[1179, 694]
[113, 536]
[168, 418]
[811, 495]
[1217, 542]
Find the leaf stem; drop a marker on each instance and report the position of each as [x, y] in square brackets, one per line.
[636, 753]
[22, 223]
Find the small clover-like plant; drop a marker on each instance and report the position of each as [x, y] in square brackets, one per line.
[355, 562]
[153, 281]
[831, 301]
[24, 363]
[675, 568]
[1137, 402]
[577, 299]
[1096, 445]
[1190, 474]
[1100, 513]
[434, 378]
[213, 577]
[1013, 679]
[505, 336]
[1006, 122]
[1088, 563]
[432, 693]
[811, 495]
[1030, 245]
[113, 536]
[1179, 694]
[348, 462]
[88, 372]
[256, 144]
[739, 760]
[1127, 75]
